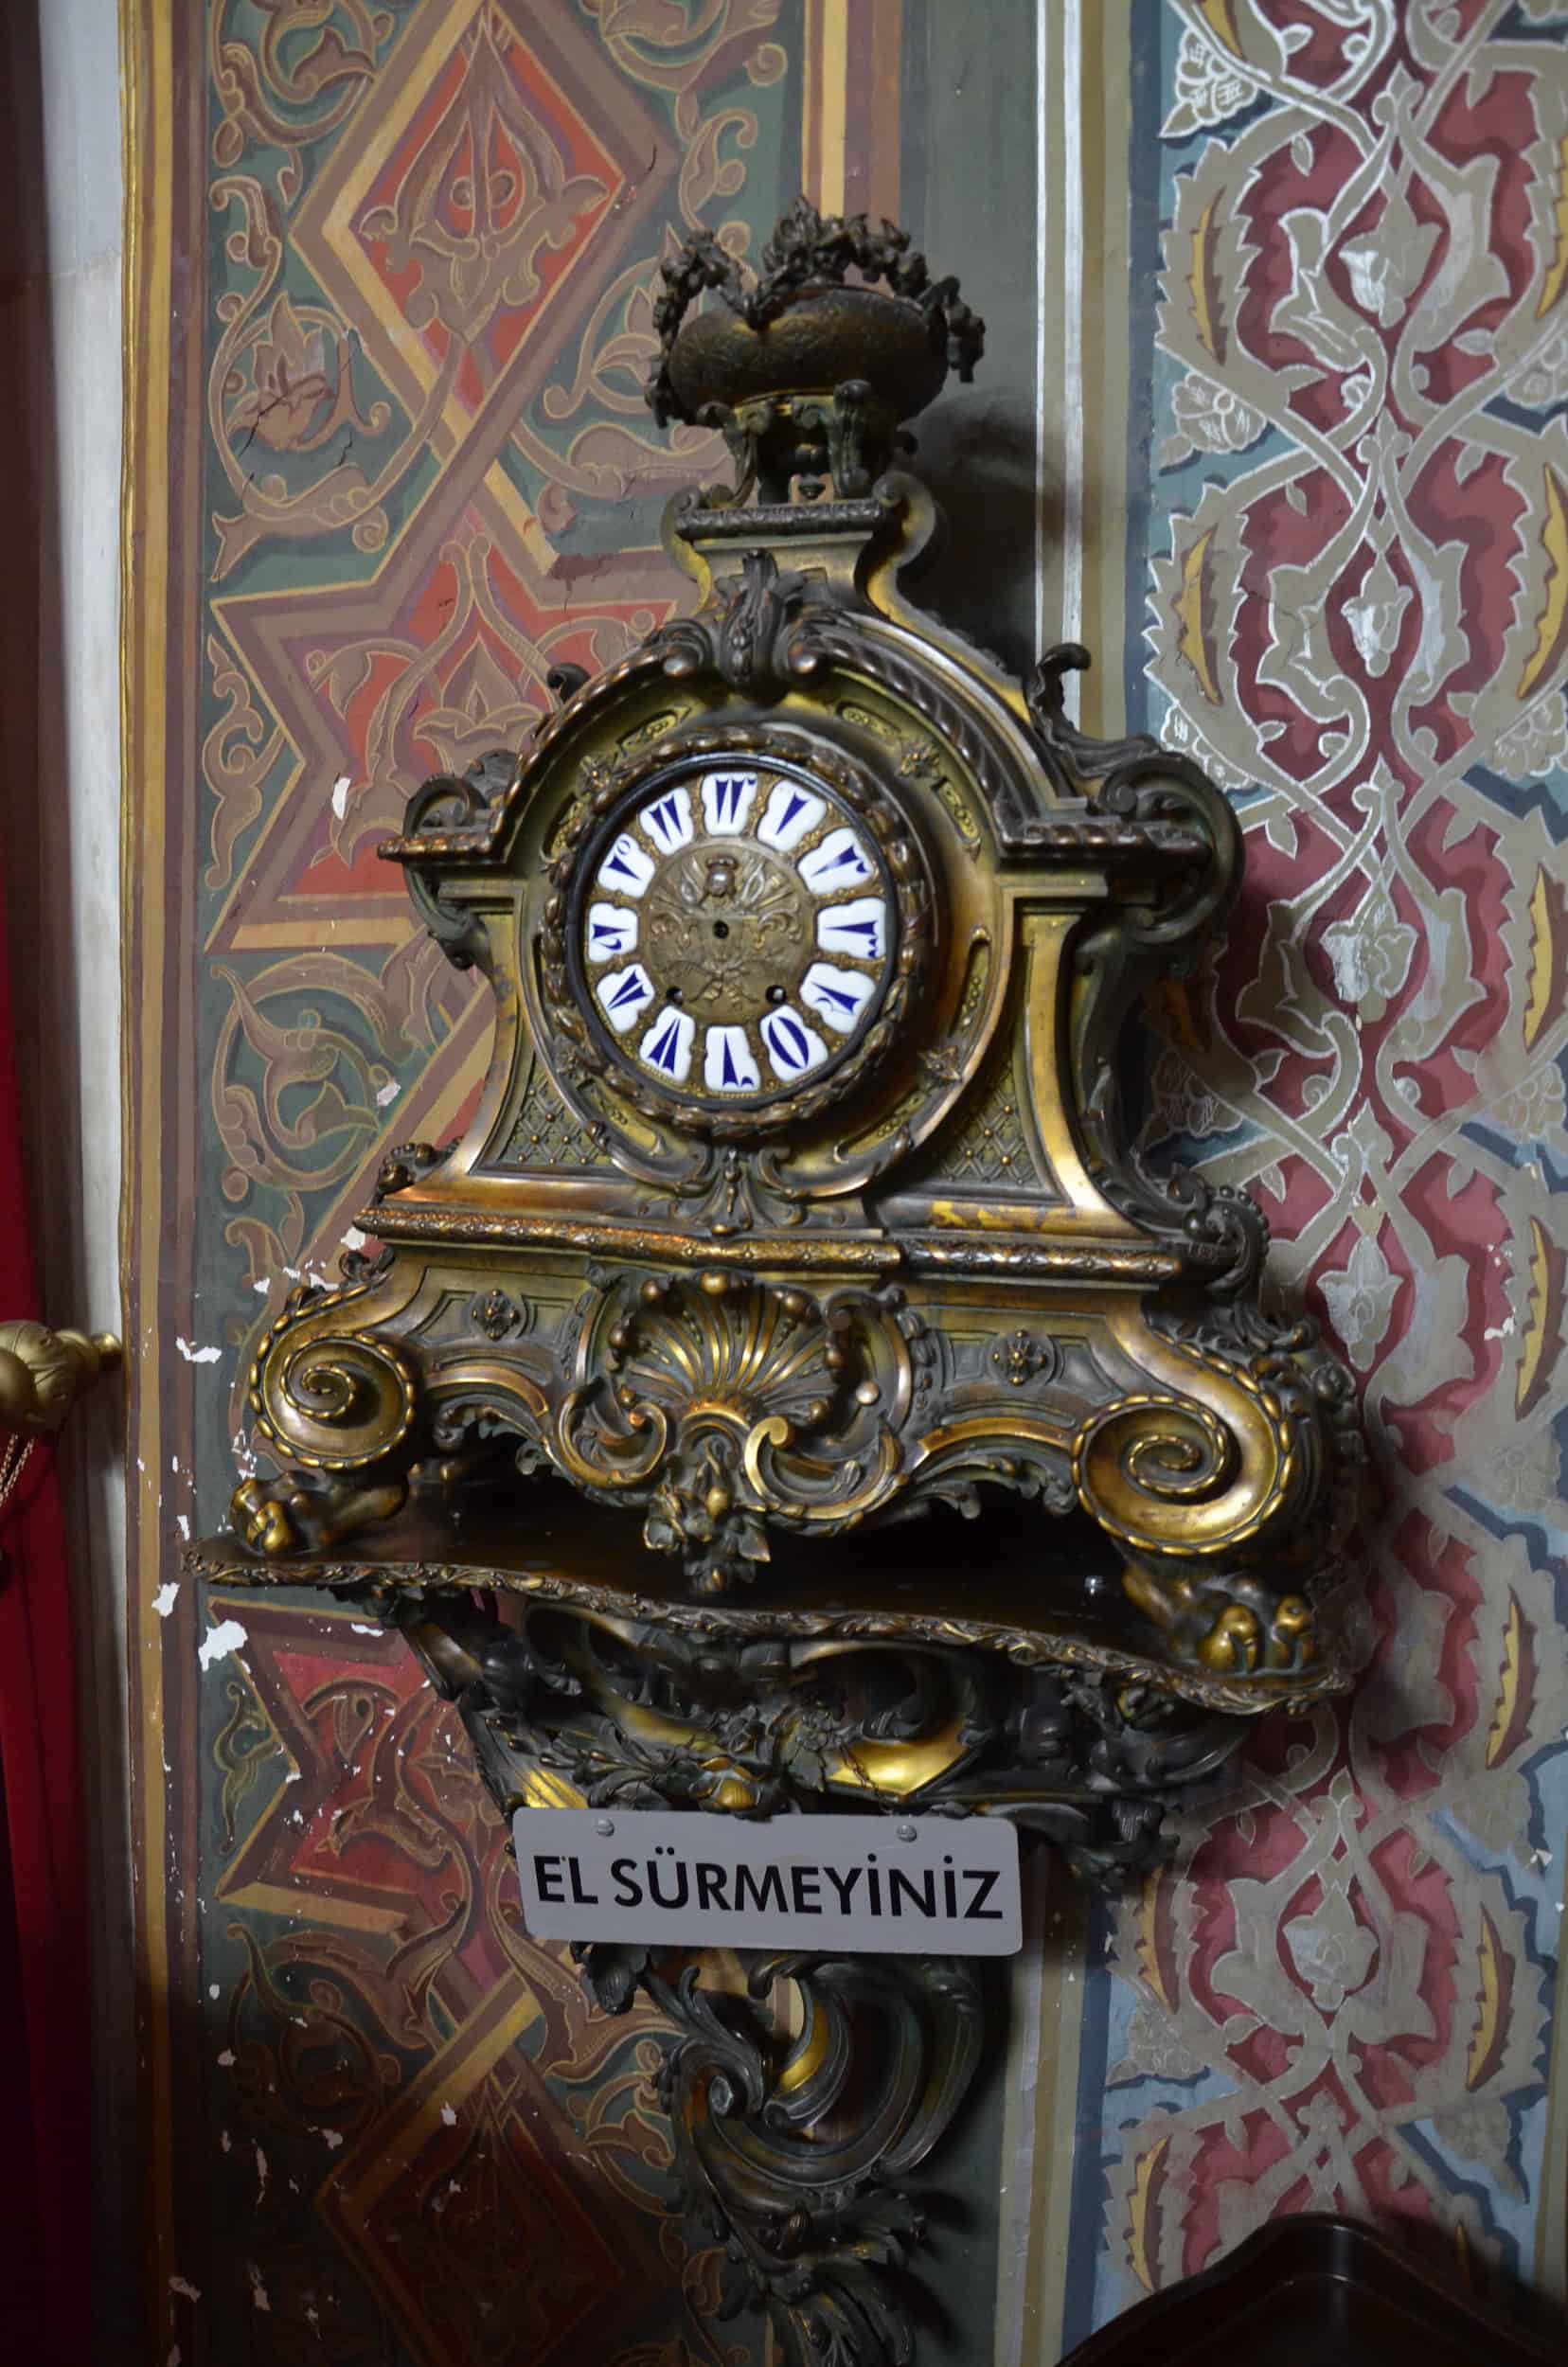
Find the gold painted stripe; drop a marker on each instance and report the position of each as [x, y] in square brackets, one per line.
[1542, 979]
[1557, 271]
[504, 2014]
[1487, 2036]
[1500, 1733]
[407, 360]
[825, 106]
[1143, 2182]
[351, 2194]
[1057, 394]
[331, 930]
[810, 105]
[1105, 82]
[1051, 2167]
[148, 166]
[1552, 619]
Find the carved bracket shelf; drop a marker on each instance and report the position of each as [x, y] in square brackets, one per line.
[586, 1677]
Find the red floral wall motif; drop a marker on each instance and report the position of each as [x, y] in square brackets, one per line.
[1357, 574]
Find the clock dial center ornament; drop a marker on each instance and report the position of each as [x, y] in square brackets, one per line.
[735, 927]
[725, 930]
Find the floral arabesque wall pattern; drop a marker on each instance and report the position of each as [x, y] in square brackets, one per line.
[1353, 533]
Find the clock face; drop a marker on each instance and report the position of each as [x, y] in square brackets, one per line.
[735, 931]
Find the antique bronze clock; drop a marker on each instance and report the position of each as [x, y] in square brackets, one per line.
[789, 1336]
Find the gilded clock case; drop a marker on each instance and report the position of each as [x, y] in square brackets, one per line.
[926, 1276]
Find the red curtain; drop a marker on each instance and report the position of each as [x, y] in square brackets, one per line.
[45, 2202]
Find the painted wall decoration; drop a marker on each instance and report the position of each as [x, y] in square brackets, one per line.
[1351, 540]
[418, 245]
[391, 270]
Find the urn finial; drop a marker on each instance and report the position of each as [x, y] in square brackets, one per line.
[809, 364]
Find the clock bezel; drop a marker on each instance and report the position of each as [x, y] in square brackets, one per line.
[590, 1045]
[625, 817]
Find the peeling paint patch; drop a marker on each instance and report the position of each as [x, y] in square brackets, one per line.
[185, 2288]
[198, 1356]
[388, 1093]
[219, 1641]
[448, 2116]
[166, 1597]
[340, 794]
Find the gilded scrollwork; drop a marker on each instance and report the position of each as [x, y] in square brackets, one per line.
[1227, 1482]
[733, 1402]
[809, 2223]
[628, 1710]
[1204, 1439]
[335, 1405]
[334, 1401]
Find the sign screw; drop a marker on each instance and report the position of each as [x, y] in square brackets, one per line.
[904, 1832]
[605, 1826]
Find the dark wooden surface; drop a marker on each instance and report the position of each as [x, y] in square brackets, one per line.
[1315, 2291]
[1016, 1581]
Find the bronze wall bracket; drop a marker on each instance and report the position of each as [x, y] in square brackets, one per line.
[833, 1682]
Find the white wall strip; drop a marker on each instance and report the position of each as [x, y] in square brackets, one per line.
[1071, 561]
